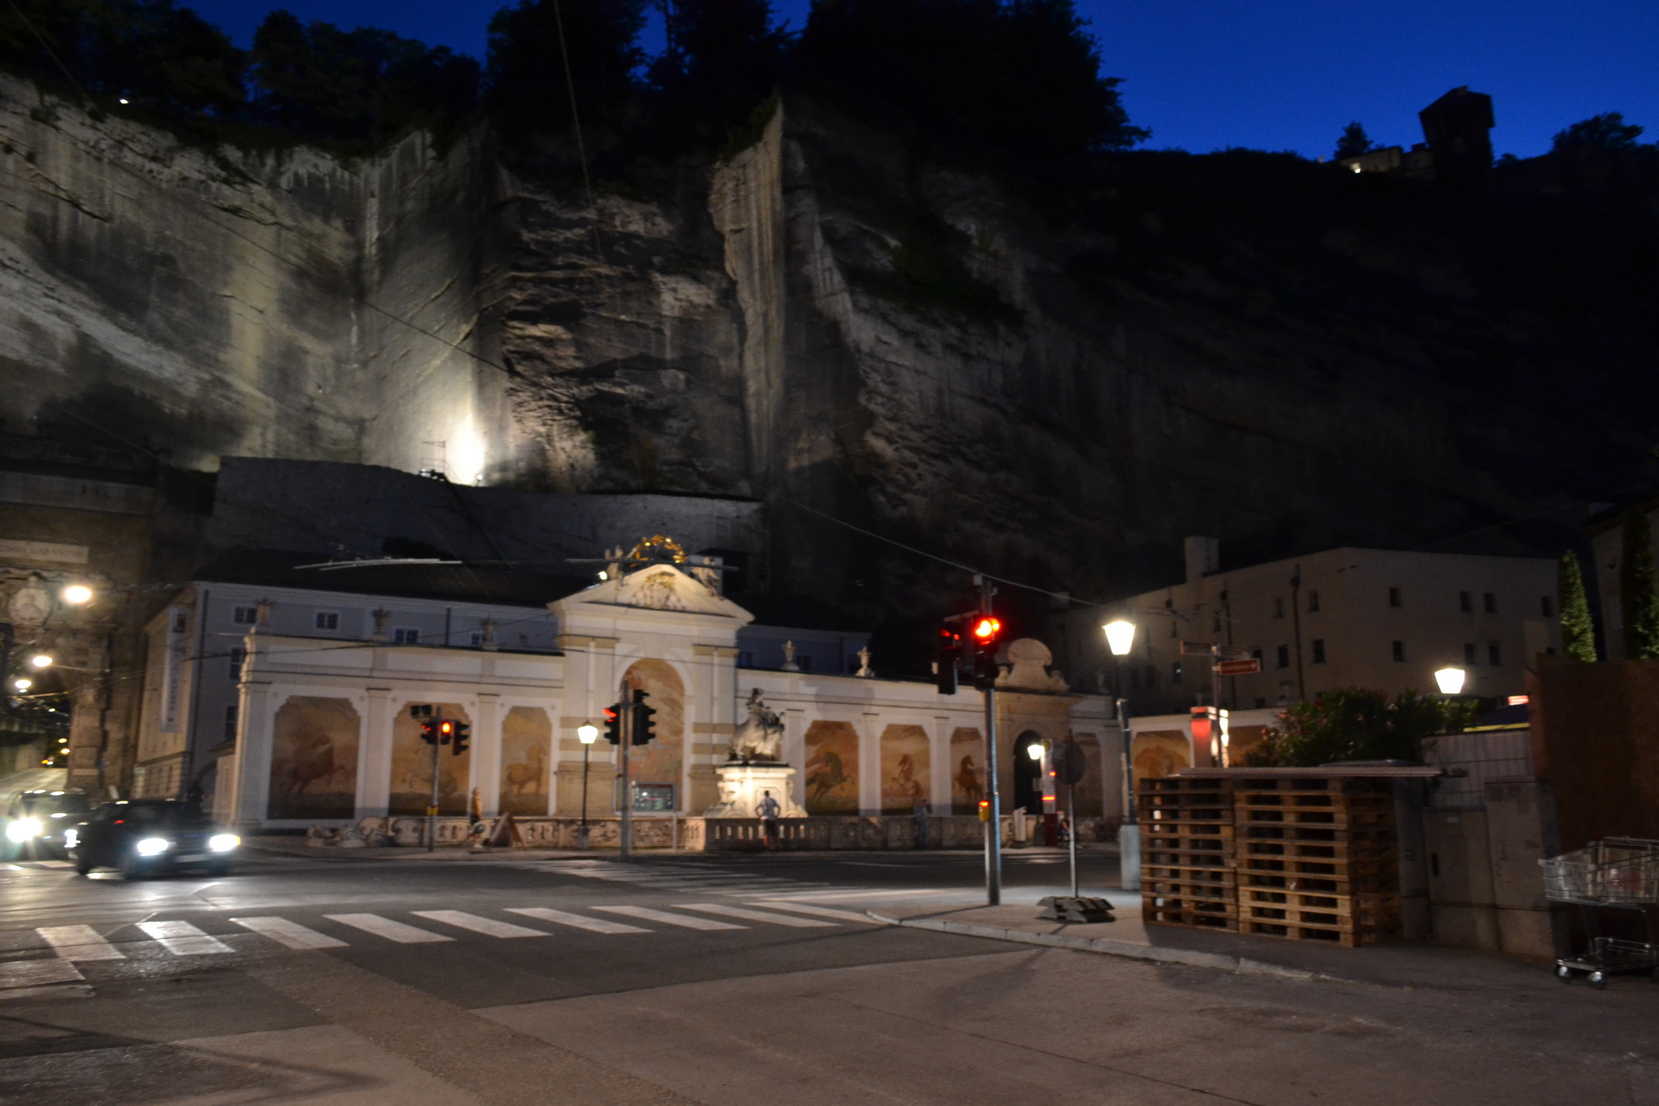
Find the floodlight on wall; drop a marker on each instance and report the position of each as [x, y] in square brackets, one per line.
[40, 660]
[588, 733]
[1449, 680]
[76, 594]
[1120, 635]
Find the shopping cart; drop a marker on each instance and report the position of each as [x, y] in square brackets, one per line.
[1619, 874]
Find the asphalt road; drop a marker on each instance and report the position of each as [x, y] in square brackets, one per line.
[734, 980]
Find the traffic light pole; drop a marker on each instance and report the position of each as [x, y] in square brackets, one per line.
[432, 809]
[993, 827]
[629, 717]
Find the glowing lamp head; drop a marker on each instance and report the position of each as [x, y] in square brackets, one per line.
[1120, 636]
[23, 683]
[76, 594]
[986, 628]
[1449, 680]
[1034, 751]
[40, 660]
[587, 733]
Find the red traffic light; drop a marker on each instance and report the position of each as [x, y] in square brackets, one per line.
[986, 628]
[446, 728]
[984, 810]
[610, 714]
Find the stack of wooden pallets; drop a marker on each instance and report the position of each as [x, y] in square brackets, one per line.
[1187, 852]
[1317, 858]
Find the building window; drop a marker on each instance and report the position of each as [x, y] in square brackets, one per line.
[1469, 653]
[245, 616]
[406, 635]
[1318, 650]
[1394, 598]
[1256, 652]
[1465, 601]
[745, 659]
[1546, 606]
[477, 638]
[1284, 656]
[1494, 653]
[1174, 628]
[1278, 606]
[328, 620]
[1491, 603]
[237, 656]
[1215, 623]
[804, 663]
[1261, 702]
[1313, 601]
[230, 722]
[1399, 652]
[1175, 672]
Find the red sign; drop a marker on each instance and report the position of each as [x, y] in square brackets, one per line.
[1247, 667]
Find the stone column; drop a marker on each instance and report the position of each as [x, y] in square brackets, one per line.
[374, 755]
[939, 761]
[869, 765]
[253, 756]
[486, 753]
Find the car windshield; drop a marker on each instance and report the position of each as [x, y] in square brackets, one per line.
[43, 806]
[160, 814]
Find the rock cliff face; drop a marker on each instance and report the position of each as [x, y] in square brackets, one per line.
[819, 324]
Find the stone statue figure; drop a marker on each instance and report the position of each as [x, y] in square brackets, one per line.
[760, 737]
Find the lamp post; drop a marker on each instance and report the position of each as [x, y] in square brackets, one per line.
[1120, 638]
[587, 733]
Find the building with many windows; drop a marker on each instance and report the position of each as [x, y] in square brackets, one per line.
[1370, 618]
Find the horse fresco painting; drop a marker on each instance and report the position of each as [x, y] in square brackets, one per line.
[314, 759]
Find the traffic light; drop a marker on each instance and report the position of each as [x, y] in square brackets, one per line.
[984, 810]
[458, 741]
[947, 657]
[644, 720]
[429, 731]
[446, 731]
[613, 725]
[986, 632]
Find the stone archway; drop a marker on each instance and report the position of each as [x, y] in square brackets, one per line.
[1028, 774]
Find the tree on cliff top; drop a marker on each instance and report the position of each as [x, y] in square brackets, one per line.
[1607, 131]
[1639, 590]
[528, 47]
[361, 86]
[150, 53]
[1578, 633]
[723, 59]
[1000, 79]
[1351, 723]
[1354, 142]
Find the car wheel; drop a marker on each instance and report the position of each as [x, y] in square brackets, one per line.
[83, 863]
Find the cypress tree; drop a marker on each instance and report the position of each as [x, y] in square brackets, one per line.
[1578, 633]
[1639, 590]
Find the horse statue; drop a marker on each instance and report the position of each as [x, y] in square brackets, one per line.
[760, 737]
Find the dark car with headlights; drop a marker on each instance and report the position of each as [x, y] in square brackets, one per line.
[148, 837]
[35, 821]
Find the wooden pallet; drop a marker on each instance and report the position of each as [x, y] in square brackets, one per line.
[1335, 935]
[1196, 913]
[1223, 889]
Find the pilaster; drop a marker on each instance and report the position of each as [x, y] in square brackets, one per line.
[374, 755]
[486, 753]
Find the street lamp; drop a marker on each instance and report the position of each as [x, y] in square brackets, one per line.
[587, 733]
[1449, 680]
[1120, 637]
[76, 594]
[23, 683]
[40, 660]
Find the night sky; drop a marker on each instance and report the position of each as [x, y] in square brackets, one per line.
[1268, 74]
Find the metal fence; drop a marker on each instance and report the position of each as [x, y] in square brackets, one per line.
[1470, 759]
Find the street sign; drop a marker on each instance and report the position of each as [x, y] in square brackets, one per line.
[1247, 667]
[1196, 649]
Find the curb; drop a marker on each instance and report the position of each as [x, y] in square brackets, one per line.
[1107, 947]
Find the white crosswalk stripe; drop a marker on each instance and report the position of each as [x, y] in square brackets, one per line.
[580, 921]
[489, 927]
[752, 915]
[183, 939]
[668, 919]
[79, 943]
[291, 934]
[819, 911]
[37, 973]
[385, 927]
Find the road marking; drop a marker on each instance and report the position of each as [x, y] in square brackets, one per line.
[597, 925]
[666, 918]
[34, 973]
[837, 896]
[752, 915]
[79, 943]
[52, 863]
[183, 939]
[489, 927]
[291, 934]
[821, 911]
[385, 927]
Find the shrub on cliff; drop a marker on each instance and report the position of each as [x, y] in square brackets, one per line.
[722, 61]
[1351, 723]
[527, 89]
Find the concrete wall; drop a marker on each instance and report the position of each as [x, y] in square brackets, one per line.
[1485, 886]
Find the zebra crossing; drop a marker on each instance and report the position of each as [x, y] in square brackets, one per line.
[77, 944]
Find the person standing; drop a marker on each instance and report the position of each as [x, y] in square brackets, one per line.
[768, 809]
[920, 815]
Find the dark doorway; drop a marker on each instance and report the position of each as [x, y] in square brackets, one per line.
[1028, 774]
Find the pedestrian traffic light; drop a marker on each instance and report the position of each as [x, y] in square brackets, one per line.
[613, 725]
[429, 731]
[984, 810]
[458, 741]
[446, 731]
[986, 635]
[644, 724]
[947, 657]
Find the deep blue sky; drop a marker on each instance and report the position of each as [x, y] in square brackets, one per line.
[1270, 74]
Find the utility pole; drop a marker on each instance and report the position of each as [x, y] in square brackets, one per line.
[628, 720]
[993, 826]
[432, 809]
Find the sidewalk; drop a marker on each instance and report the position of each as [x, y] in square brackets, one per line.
[1402, 964]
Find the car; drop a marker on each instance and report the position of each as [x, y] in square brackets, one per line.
[150, 837]
[35, 822]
